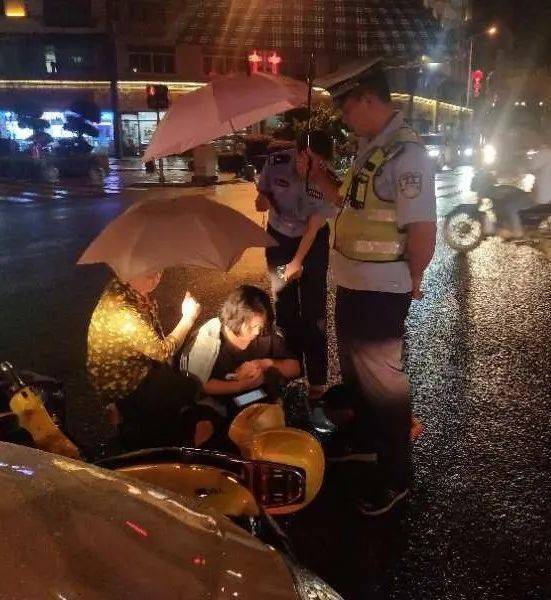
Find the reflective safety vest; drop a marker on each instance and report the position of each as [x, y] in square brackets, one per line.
[366, 228]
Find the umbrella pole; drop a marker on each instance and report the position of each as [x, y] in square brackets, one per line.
[310, 82]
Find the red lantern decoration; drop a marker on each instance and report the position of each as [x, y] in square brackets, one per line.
[254, 61]
[275, 61]
[478, 78]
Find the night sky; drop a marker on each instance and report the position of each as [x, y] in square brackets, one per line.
[525, 27]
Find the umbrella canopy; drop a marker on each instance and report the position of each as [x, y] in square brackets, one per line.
[228, 103]
[399, 30]
[192, 230]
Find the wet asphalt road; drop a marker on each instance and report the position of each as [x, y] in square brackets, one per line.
[479, 348]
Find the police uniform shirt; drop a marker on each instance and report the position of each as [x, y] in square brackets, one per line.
[408, 180]
[290, 205]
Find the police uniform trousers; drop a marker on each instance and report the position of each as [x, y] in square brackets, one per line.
[301, 306]
[370, 327]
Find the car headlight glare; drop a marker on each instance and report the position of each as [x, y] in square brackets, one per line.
[489, 154]
[468, 152]
[311, 587]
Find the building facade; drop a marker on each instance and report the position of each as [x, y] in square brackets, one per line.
[47, 49]
[54, 52]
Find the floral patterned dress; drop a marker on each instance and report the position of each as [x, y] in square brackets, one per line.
[125, 340]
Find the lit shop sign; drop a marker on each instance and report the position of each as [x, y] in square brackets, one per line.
[10, 128]
[478, 78]
[267, 61]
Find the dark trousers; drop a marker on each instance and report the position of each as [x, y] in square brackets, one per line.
[163, 410]
[370, 328]
[301, 306]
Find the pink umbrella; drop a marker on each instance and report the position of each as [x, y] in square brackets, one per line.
[192, 230]
[227, 103]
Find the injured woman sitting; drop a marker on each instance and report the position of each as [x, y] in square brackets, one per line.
[239, 356]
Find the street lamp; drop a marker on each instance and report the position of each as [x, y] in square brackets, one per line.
[491, 31]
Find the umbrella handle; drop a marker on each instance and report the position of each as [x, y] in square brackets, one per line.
[310, 82]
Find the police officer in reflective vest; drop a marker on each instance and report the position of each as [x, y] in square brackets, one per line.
[384, 240]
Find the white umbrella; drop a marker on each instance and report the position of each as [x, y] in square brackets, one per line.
[226, 104]
[192, 230]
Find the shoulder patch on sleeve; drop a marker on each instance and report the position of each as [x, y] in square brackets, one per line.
[411, 184]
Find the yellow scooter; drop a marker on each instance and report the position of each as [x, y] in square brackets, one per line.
[280, 469]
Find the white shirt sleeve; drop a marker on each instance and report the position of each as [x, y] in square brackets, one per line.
[414, 182]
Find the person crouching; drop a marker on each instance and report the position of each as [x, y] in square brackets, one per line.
[238, 353]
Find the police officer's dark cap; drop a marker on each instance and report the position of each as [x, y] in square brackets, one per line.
[352, 77]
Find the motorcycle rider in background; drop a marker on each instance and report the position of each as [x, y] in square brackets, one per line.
[537, 162]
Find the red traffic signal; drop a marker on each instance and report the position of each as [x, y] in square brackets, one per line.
[478, 78]
[157, 96]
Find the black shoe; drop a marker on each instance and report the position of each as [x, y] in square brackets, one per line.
[320, 421]
[382, 503]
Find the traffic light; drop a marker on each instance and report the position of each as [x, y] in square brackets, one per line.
[157, 96]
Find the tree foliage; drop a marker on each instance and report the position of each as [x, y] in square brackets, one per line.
[324, 117]
[29, 116]
[81, 118]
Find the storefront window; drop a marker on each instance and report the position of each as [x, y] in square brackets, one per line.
[137, 130]
[10, 129]
[130, 135]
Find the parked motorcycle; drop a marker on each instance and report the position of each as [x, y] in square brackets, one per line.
[468, 225]
[280, 469]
